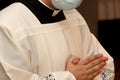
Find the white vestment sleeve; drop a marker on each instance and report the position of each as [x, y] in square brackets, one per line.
[95, 47]
[16, 62]
[92, 46]
[60, 75]
[108, 72]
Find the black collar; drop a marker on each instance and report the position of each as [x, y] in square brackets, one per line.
[43, 13]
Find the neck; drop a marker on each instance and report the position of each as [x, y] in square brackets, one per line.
[48, 3]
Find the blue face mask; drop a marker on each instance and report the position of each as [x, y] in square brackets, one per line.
[66, 4]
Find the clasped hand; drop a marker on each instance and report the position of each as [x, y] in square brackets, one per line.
[88, 68]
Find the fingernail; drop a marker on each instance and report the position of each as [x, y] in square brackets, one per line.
[100, 55]
[106, 58]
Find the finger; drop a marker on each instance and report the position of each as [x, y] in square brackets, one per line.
[92, 76]
[70, 60]
[97, 62]
[75, 60]
[91, 58]
[96, 68]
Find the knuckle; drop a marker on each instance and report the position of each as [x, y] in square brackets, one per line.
[93, 63]
[94, 69]
[102, 65]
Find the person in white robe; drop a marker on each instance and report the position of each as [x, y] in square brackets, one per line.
[40, 42]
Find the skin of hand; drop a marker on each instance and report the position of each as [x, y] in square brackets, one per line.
[88, 68]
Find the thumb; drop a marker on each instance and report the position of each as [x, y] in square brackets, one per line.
[75, 60]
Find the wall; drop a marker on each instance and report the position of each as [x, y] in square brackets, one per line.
[108, 25]
[108, 9]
